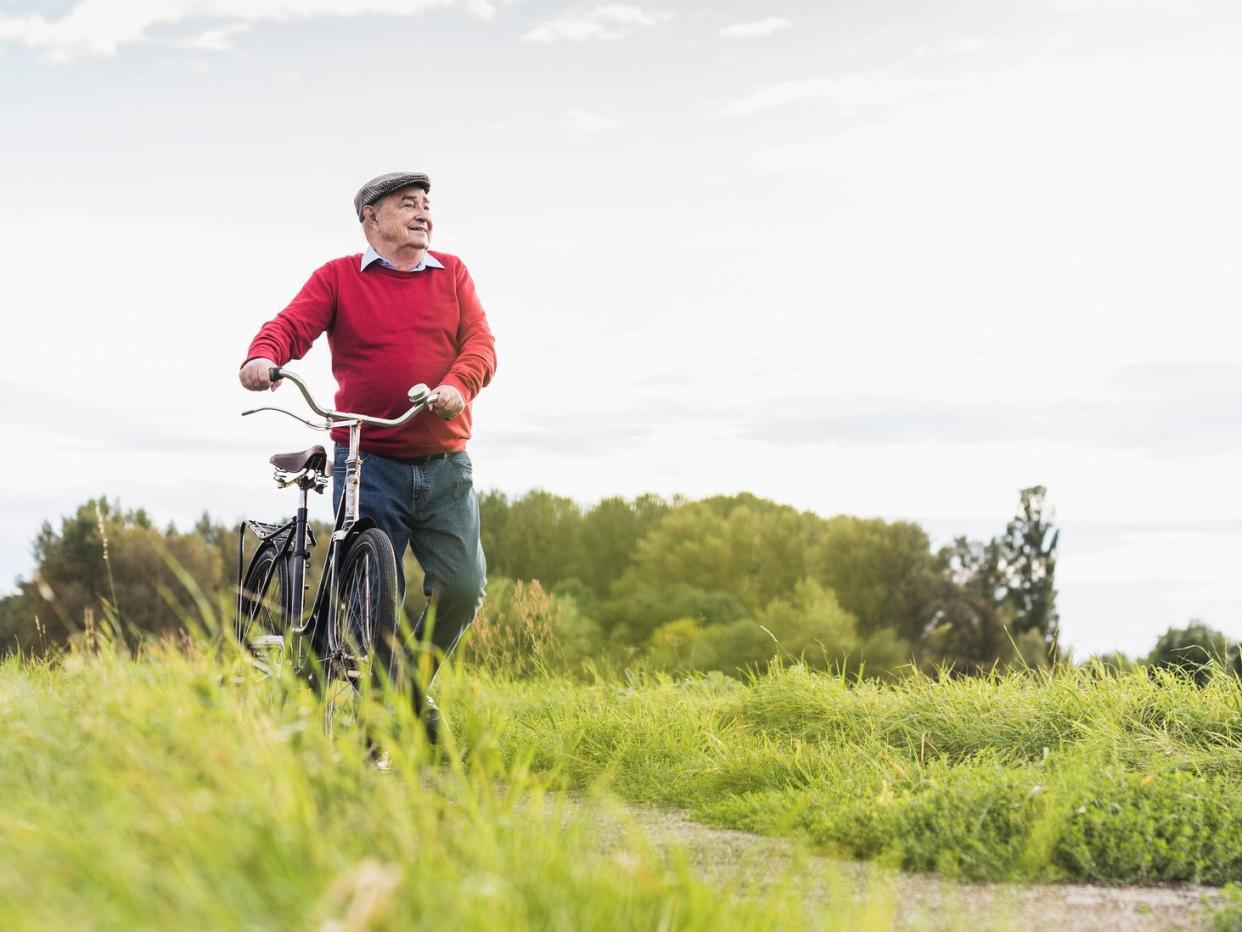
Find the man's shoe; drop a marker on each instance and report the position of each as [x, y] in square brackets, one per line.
[374, 752]
[429, 715]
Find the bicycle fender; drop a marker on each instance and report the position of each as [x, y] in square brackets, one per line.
[342, 548]
[357, 528]
[281, 545]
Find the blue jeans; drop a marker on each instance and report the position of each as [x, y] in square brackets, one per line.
[430, 507]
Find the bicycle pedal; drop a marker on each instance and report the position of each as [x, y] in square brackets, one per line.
[353, 674]
[268, 640]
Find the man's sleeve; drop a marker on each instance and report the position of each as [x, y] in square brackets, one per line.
[476, 349]
[290, 334]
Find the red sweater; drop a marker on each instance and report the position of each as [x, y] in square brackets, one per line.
[387, 331]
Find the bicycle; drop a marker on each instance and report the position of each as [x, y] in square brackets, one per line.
[353, 620]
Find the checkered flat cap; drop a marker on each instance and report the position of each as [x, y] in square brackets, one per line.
[376, 188]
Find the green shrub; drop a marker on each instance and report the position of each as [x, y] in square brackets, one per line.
[1069, 773]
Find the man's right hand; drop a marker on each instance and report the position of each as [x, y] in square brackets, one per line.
[254, 375]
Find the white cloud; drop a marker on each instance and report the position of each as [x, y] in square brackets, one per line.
[101, 27]
[219, 39]
[846, 93]
[1099, 121]
[193, 65]
[1117, 6]
[586, 123]
[756, 29]
[967, 45]
[606, 21]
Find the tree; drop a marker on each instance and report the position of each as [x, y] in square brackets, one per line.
[754, 551]
[884, 573]
[736, 648]
[538, 536]
[997, 600]
[105, 562]
[493, 518]
[968, 632]
[812, 627]
[610, 534]
[1029, 549]
[1193, 649]
[630, 618]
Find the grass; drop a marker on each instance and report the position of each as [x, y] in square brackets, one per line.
[1229, 917]
[182, 790]
[1086, 775]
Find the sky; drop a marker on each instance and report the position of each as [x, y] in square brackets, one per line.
[876, 257]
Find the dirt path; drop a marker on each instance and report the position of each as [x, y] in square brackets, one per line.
[919, 901]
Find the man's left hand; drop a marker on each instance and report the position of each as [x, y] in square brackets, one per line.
[449, 402]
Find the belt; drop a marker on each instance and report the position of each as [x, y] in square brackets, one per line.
[408, 460]
[418, 460]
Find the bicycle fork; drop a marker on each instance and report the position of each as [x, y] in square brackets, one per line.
[347, 515]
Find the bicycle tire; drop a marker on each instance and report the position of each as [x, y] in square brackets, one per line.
[365, 625]
[264, 600]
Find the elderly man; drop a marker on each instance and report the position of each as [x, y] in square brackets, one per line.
[395, 316]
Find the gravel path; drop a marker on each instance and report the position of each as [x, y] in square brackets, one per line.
[920, 901]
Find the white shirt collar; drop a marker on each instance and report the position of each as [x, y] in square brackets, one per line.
[428, 261]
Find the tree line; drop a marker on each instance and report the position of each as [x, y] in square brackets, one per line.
[730, 582]
[723, 583]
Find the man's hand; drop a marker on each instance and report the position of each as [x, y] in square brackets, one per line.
[449, 402]
[254, 375]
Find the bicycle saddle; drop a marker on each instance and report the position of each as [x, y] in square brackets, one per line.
[315, 458]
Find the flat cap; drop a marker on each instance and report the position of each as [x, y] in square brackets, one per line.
[376, 188]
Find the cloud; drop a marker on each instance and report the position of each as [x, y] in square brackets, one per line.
[1117, 6]
[1088, 119]
[70, 425]
[574, 120]
[845, 93]
[572, 434]
[968, 45]
[101, 27]
[606, 21]
[1166, 410]
[756, 29]
[586, 123]
[219, 39]
[958, 45]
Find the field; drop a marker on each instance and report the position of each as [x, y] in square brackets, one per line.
[185, 788]
[1081, 775]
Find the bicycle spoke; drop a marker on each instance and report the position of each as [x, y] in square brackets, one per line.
[364, 609]
[365, 605]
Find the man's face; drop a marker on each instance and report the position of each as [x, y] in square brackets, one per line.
[402, 219]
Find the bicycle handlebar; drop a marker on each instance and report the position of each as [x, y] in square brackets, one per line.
[420, 397]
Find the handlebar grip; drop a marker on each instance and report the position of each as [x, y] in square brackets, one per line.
[273, 374]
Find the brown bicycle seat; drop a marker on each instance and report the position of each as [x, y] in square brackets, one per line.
[315, 458]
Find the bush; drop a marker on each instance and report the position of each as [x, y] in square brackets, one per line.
[1194, 650]
[521, 630]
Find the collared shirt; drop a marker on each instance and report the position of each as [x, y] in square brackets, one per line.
[428, 261]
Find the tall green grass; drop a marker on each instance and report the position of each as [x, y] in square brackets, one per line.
[184, 789]
[1079, 774]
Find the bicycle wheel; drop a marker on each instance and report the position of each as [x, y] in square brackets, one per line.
[264, 617]
[365, 623]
